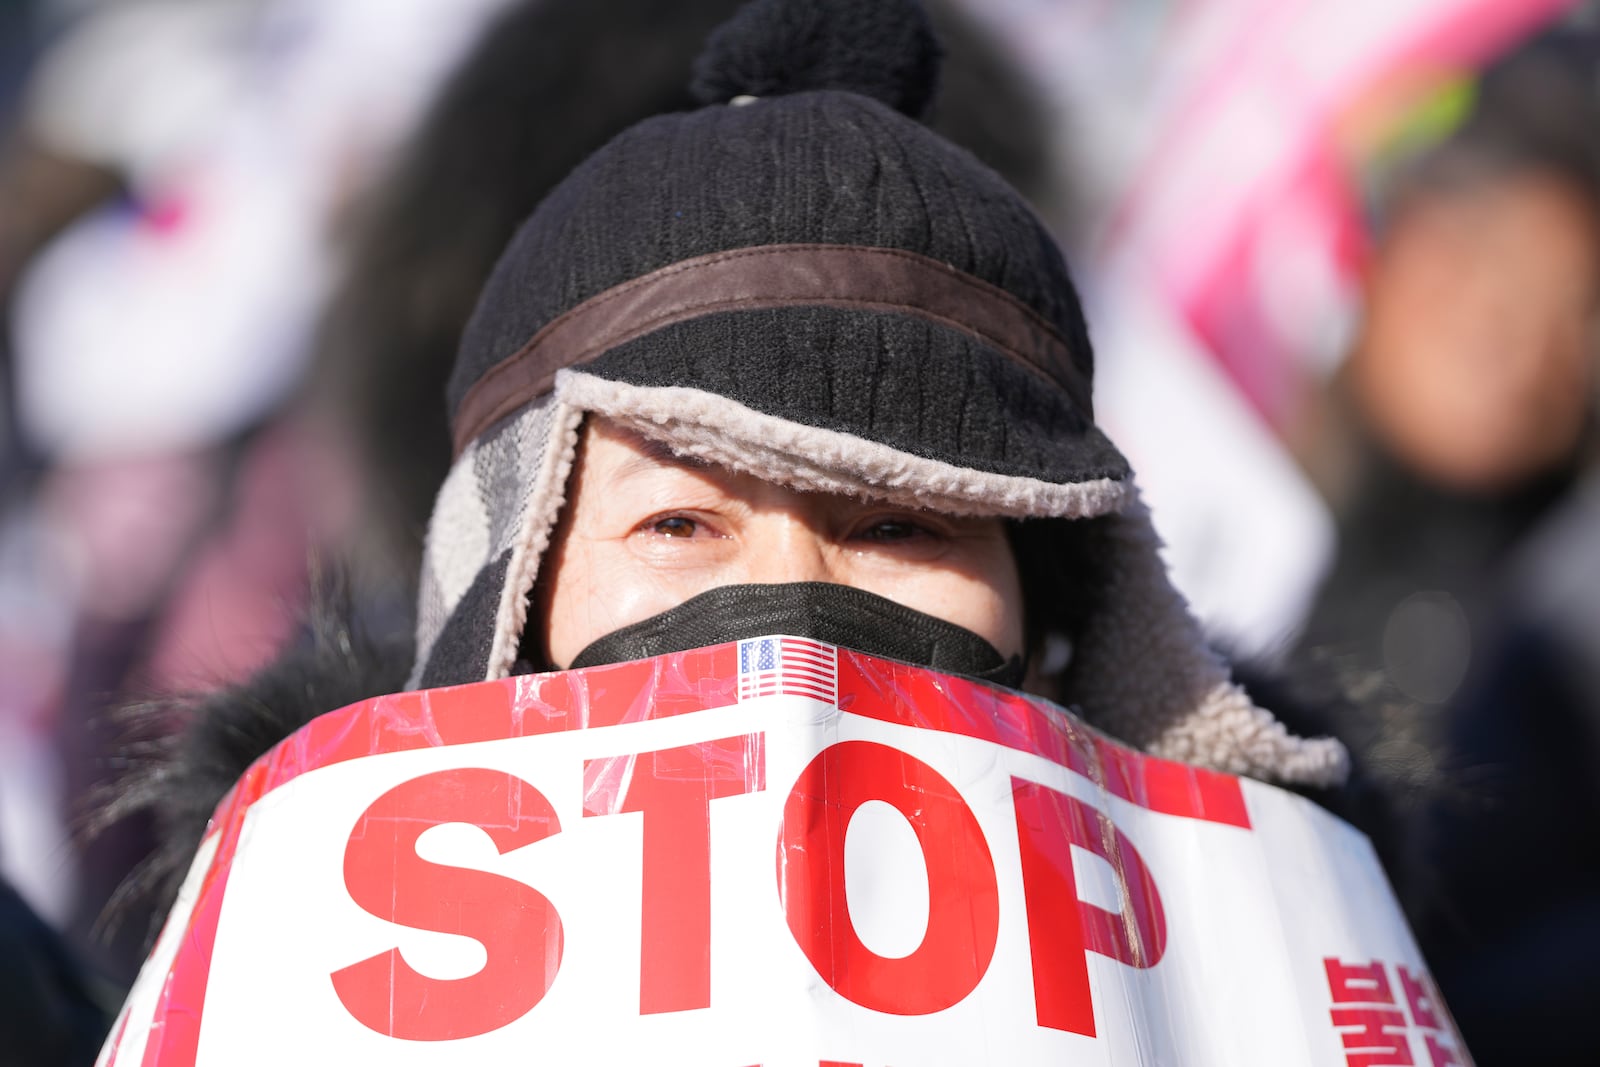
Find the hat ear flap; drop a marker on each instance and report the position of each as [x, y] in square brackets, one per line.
[1143, 672]
[491, 527]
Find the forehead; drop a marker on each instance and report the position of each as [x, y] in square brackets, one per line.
[614, 452]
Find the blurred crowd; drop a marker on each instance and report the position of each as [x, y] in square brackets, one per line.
[1343, 265]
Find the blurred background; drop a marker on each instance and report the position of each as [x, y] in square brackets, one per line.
[1342, 262]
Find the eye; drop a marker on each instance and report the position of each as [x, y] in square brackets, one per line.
[674, 526]
[891, 531]
[901, 530]
[682, 528]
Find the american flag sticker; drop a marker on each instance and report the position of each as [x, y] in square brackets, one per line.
[788, 666]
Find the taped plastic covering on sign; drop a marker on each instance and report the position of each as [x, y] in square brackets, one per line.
[771, 852]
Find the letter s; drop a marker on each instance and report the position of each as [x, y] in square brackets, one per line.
[517, 925]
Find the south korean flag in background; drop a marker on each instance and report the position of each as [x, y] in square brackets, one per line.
[788, 666]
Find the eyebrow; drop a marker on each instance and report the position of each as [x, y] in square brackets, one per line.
[658, 453]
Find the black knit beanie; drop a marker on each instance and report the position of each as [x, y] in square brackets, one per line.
[805, 249]
[800, 281]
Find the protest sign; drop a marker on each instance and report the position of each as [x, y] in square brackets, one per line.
[769, 852]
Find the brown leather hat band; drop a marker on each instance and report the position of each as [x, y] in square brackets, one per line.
[771, 276]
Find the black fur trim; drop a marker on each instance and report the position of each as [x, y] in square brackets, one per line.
[186, 751]
[884, 49]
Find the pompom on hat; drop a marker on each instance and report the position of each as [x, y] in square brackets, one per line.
[887, 51]
[801, 282]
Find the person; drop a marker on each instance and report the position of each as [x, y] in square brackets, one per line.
[790, 362]
[1461, 588]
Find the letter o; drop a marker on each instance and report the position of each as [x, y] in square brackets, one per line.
[963, 898]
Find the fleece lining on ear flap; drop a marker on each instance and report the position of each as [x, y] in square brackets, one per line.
[1142, 671]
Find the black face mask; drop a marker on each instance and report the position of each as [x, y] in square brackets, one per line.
[836, 614]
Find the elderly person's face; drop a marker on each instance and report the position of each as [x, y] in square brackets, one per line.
[643, 531]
